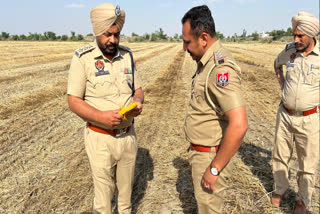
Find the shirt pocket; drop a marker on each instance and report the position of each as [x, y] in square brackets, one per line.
[102, 85]
[127, 83]
[291, 71]
[312, 76]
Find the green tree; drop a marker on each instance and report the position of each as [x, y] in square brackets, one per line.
[89, 34]
[219, 35]
[289, 32]
[5, 35]
[154, 37]
[22, 37]
[244, 34]
[79, 37]
[36, 36]
[73, 36]
[277, 34]
[146, 36]
[15, 37]
[161, 34]
[134, 34]
[51, 35]
[64, 37]
[255, 36]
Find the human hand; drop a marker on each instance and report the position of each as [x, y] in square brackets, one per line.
[208, 180]
[111, 118]
[137, 110]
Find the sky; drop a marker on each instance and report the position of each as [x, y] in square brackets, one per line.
[147, 16]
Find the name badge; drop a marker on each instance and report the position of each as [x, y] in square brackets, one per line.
[314, 67]
[290, 65]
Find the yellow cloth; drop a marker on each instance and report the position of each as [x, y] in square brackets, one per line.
[306, 23]
[104, 16]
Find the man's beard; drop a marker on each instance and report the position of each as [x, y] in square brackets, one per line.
[108, 49]
[301, 47]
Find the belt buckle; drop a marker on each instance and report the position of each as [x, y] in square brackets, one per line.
[121, 132]
[297, 113]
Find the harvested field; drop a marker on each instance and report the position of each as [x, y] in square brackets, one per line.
[43, 163]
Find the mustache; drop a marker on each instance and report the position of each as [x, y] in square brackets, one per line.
[111, 45]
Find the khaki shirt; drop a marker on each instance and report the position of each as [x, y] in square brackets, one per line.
[301, 87]
[103, 84]
[203, 124]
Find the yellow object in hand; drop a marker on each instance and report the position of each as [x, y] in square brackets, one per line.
[128, 108]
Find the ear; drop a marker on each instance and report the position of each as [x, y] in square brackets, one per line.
[204, 37]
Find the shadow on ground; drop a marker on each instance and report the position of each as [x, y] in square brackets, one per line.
[259, 161]
[143, 173]
[184, 186]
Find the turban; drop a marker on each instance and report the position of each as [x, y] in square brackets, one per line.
[104, 16]
[306, 23]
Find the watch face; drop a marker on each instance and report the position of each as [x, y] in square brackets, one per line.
[214, 171]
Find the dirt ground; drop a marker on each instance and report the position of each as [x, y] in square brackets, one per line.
[43, 163]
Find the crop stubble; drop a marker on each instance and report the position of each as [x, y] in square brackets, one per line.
[43, 165]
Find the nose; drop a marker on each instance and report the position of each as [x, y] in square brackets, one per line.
[296, 39]
[113, 39]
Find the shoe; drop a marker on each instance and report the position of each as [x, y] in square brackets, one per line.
[276, 200]
[300, 208]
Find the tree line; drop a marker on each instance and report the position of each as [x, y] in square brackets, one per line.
[46, 36]
[158, 35]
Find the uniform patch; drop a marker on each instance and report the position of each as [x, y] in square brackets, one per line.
[100, 67]
[289, 46]
[290, 65]
[127, 71]
[221, 61]
[117, 11]
[317, 67]
[220, 56]
[292, 57]
[83, 50]
[223, 79]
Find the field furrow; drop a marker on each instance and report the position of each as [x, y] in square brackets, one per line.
[43, 164]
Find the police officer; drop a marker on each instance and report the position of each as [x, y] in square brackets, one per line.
[298, 116]
[216, 119]
[102, 78]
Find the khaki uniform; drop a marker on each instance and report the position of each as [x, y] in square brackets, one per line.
[300, 93]
[107, 85]
[205, 123]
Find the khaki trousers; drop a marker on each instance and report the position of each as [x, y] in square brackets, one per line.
[301, 132]
[208, 201]
[112, 162]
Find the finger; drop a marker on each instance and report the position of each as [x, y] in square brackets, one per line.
[118, 116]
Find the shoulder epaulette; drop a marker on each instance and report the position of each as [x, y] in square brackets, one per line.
[124, 48]
[290, 46]
[220, 56]
[83, 50]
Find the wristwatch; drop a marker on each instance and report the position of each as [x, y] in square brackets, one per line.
[214, 171]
